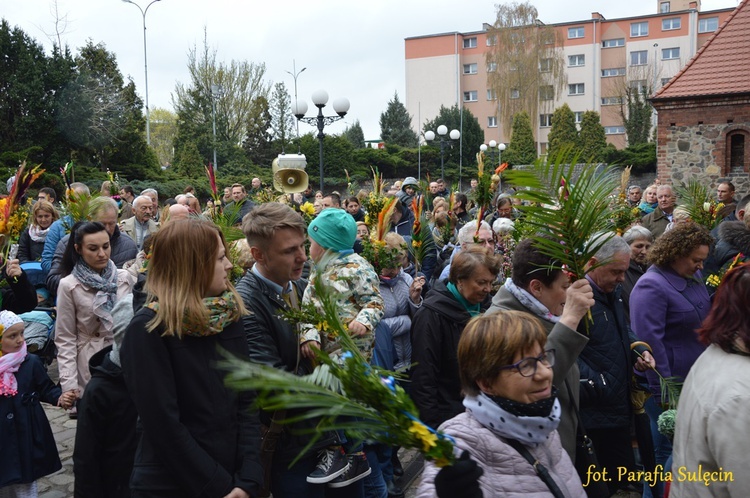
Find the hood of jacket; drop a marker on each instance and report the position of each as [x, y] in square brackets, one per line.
[736, 235]
[102, 365]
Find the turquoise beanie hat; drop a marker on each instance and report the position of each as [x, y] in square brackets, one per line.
[334, 229]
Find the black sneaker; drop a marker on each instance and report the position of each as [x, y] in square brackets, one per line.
[359, 468]
[332, 464]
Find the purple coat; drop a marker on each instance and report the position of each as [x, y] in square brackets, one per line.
[665, 311]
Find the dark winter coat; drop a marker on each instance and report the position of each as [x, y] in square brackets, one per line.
[435, 331]
[734, 238]
[27, 445]
[274, 342]
[28, 249]
[105, 436]
[20, 296]
[198, 438]
[635, 271]
[606, 363]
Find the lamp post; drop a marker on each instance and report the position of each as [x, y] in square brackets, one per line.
[216, 92]
[294, 75]
[145, 63]
[444, 142]
[320, 99]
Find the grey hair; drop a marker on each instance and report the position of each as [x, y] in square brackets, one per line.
[140, 199]
[150, 191]
[638, 232]
[102, 205]
[466, 234]
[615, 245]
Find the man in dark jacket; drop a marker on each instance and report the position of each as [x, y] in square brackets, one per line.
[606, 361]
[733, 237]
[276, 236]
[103, 210]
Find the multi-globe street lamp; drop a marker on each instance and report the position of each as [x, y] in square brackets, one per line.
[493, 145]
[444, 142]
[145, 63]
[320, 99]
[217, 91]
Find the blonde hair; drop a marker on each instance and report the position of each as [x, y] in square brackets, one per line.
[180, 250]
[44, 206]
[395, 241]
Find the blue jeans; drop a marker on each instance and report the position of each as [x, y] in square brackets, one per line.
[662, 448]
[374, 483]
[292, 483]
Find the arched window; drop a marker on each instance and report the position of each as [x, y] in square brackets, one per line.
[737, 151]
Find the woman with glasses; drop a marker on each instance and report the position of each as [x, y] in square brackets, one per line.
[511, 418]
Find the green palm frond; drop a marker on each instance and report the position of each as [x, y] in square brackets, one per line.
[700, 205]
[567, 204]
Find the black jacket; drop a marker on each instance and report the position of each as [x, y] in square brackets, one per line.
[734, 238]
[435, 331]
[635, 271]
[28, 250]
[26, 442]
[606, 364]
[198, 437]
[106, 436]
[274, 342]
[20, 296]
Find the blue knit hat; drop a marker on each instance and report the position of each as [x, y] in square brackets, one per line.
[334, 229]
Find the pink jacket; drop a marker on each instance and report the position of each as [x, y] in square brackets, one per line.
[506, 472]
[78, 332]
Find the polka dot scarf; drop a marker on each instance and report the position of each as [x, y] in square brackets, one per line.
[531, 424]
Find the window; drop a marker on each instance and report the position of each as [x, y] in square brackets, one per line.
[545, 65]
[470, 68]
[575, 32]
[576, 60]
[672, 23]
[491, 40]
[491, 94]
[611, 100]
[639, 58]
[664, 81]
[492, 67]
[579, 116]
[613, 71]
[576, 89]
[640, 86]
[492, 122]
[546, 92]
[470, 96]
[664, 7]
[614, 130]
[615, 42]
[638, 29]
[708, 24]
[670, 53]
[545, 120]
[514, 93]
[470, 42]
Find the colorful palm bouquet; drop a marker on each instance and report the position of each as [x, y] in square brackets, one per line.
[623, 216]
[349, 395]
[701, 206]
[14, 212]
[375, 200]
[422, 242]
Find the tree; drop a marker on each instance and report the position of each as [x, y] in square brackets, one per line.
[636, 114]
[592, 139]
[395, 125]
[188, 161]
[355, 135]
[522, 148]
[257, 144]
[563, 135]
[282, 119]
[472, 135]
[525, 62]
[163, 134]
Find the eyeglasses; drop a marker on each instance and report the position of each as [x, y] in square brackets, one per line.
[527, 366]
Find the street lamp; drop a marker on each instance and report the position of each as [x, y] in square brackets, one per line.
[320, 99]
[294, 75]
[217, 91]
[145, 63]
[493, 145]
[443, 131]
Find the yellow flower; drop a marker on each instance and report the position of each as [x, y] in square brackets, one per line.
[442, 462]
[416, 243]
[427, 438]
[713, 280]
[307, 208]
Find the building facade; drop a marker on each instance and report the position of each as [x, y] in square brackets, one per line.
[601, 59]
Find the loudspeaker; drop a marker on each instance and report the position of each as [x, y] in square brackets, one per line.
[289, 173]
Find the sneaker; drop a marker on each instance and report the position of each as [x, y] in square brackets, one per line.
[332, 464]
[358, 469]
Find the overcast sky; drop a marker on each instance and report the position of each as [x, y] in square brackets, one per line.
[351, 48]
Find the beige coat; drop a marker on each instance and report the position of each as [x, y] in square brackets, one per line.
[79, 334]
[127, 227]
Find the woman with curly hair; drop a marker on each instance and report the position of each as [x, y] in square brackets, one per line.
[667, 305]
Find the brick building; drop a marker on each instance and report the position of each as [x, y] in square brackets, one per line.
[703, 126]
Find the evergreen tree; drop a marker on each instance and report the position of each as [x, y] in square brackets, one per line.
[564, 134]
[522, 147]
[258, 145]
[472, 135]
[355, 135]
[638, 117]
[395, 125]
[282, 120]
[593, 141]
[188, 161]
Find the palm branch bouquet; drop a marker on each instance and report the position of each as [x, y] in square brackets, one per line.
[714, 280]
[421, 238]
[225, 218]
[375, 200]
[572, 221]
[373, 247]
[485, 191]
[670, 387]
[346, 394]
[622, 214]
[14, 212]
[700, 205]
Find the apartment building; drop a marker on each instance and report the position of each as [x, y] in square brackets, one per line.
[601, 57]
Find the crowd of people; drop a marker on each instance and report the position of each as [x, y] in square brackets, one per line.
[531, 373]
